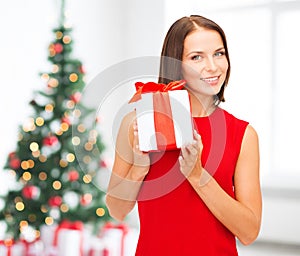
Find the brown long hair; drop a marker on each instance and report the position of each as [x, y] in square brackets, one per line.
[172, 50]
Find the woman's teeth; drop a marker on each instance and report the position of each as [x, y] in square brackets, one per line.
[209, 80]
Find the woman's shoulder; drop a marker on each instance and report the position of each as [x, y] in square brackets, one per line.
[239, 129]
[234, 119]
[235, 125]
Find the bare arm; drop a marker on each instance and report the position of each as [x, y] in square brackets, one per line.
[129, 169]
[242, 216]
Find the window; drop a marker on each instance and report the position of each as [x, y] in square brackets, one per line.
[286, 96]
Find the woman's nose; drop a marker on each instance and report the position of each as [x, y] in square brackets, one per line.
[210, 64]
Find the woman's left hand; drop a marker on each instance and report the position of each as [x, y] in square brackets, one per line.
[190, 158]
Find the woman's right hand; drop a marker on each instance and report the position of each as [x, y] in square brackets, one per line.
[129, 170]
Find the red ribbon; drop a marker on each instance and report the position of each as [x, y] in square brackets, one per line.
[163, 122]
[8, 244]
[155, 87]
[27, 245]
[66, 224]
[104, 252]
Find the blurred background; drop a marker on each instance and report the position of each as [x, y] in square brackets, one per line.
[263, 40]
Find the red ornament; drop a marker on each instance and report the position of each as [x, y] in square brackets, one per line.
[50, 140]
[99, 119]
[58, 48]
[66, 120]
[12, 155]
[103, 164]
[86, 199]
[81, 70]
[55, 201]
[14, 161]
[31, 192]
[73, 175]
[76, 97]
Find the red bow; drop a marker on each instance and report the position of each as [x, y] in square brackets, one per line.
[122, 227]
[155, 87]
[66, 224]
[8, 244]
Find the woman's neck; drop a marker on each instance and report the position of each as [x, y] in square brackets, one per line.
[202, 106]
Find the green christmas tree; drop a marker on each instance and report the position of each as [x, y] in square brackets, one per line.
[59, 151]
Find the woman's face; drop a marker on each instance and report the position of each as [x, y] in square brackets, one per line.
[204, 63]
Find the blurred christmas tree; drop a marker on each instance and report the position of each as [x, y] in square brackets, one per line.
[53, 184]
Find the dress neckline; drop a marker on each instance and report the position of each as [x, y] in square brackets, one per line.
[208, 116]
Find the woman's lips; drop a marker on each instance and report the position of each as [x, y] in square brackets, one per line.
[211, 80]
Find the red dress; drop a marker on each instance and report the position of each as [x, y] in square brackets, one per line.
[174, 221]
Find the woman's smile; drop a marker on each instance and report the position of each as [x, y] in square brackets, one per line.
[213, 81]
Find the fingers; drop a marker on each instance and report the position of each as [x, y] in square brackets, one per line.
[140, 158]
[135, 137]
[194, 148]
[190, 149]
[197, 138]
[190, 155]
[135, 127]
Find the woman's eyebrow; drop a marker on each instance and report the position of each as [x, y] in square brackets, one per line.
[201, 52]
[220, 49]
[194, 52]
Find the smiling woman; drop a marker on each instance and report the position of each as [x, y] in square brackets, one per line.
[204, 65]
[263, 90]
[219, 170]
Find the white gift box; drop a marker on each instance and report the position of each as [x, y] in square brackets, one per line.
[69, 243]
[17, 249]
[97, 247]
[164, 120]
[115, 240]
[113, 237]
[35, 248]
[63, 239]
[47, 237]
[47, 234]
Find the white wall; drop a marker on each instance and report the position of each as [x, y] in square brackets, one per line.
[104, 33]
[25, 33]
[281, 213]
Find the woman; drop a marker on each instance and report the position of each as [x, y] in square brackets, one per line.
[216, 197]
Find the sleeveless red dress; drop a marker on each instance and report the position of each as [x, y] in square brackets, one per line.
[174, 221]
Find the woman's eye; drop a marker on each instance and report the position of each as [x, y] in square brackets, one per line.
[196, 57]
[219, 54]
